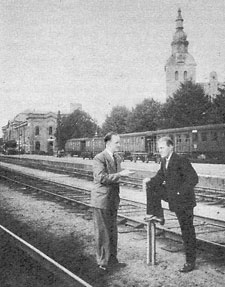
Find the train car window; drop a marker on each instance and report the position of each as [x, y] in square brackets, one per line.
[178, 139]
[194, 137]
[214, 136]
[187, 138]
[204, 136]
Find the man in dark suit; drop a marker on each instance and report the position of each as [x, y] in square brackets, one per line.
[105, 201]
[174, 183]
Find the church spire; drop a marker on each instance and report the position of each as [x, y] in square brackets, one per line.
[179, 20]
[180, 66]
[179, 43]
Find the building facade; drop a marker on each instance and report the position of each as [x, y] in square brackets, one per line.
[212, 86]
[33, 132]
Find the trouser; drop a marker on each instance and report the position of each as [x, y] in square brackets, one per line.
[186, 218]
[106, 235]
[184, 215]
[154, 196]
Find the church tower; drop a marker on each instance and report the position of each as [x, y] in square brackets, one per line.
[180, 66]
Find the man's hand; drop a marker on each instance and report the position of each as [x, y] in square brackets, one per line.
[145, 180]
[126, 172]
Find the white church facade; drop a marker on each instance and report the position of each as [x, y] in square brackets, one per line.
[181, 66]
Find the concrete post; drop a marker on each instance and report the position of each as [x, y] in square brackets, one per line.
[151, 242]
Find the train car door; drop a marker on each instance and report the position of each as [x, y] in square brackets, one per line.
[83, 146]
[151, 147]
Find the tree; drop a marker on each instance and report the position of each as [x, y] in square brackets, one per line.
[145, 116]
[188, 106]
[218, 107]
[117, 120]
[79, 124]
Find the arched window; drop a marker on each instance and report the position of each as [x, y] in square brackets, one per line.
[50, 130]
[37, 146]
[176, 75]
[185, 75]
[37, 131]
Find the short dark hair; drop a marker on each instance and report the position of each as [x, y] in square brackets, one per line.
[109, 135]
[167, 140]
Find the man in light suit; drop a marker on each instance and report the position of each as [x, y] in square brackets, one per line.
[174, 183]
[105, 201]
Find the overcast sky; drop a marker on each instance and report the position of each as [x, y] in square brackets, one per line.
[99, 53]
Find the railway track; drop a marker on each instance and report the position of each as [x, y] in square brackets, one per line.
[64, 275]
[211, 196]
[210, 233]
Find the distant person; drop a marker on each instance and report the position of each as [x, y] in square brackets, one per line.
[105, 200]
[174, 183]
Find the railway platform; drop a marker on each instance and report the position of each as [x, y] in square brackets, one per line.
[210, 175]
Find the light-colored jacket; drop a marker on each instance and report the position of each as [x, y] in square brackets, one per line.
[105, 194]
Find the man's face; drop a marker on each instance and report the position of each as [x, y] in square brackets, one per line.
[164, 149]
[114, 143]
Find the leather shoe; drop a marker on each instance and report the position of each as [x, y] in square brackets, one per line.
[119, 265]
[103, 268]
[157, 219]
[113, 262]
[188, 267]
[161, 220]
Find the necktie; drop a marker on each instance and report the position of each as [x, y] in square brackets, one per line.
[115, 163]
[164, 165]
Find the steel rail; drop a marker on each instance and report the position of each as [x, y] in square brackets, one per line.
[46, 191]
[130, 217]
[201, 192]
[51, 265]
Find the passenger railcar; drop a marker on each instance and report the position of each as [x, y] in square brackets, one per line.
[84, 147]
[199, 143]
[134, 146]
[11, 147]
[75, 146]
[93, 147]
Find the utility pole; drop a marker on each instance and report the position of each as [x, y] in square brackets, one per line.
[58, 132]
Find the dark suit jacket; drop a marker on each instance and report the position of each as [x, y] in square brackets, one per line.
[106, 179]
[178, 180]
